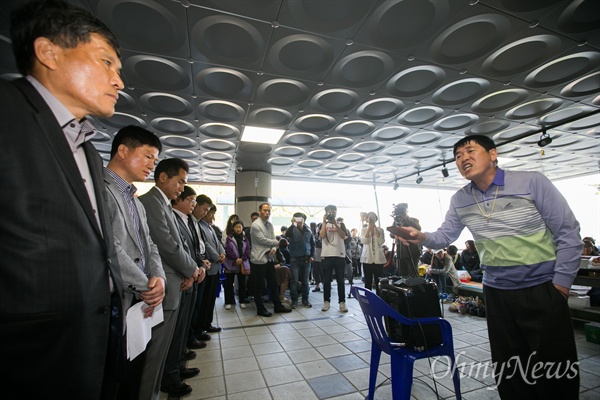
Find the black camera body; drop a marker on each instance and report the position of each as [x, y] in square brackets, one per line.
[330, 217]
[399, 213]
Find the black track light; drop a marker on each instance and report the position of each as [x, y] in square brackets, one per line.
[419, 178]
[396, 186]
[545, 139]
[445, 171]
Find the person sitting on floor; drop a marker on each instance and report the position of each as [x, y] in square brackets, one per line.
[442, 268]
[469, 261]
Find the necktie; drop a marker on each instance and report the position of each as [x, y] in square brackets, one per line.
[194, 233]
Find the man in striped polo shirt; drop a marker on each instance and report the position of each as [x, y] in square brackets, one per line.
[529, 244]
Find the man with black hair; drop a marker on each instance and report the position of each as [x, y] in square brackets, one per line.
[262, 261]
[529, 246]
[302, 251]
[215, 253]
[407, 255]
[133, 154]
[60, 313]
[333, 254]
[180, 268]
[175, 371]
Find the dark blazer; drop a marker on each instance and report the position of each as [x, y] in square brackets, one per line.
[214, 247]
[176, 260]
[54, 258]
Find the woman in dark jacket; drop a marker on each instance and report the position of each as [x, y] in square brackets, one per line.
[237, 262]
[469, 261]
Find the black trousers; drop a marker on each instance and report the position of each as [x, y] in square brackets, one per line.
[207, 305]
[328, 265]
[196, 312]
[132, 373]
[174, 362]
[532, 326]
[230, 292]
[260, 272]
[372, 274]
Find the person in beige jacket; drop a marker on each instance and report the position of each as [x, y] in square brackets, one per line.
[372, 237]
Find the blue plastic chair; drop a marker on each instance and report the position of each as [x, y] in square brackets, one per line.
[402, 358]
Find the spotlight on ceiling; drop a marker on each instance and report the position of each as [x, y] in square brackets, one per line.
[419, 178]
[396, 186]
[545, 139]
[445, 171]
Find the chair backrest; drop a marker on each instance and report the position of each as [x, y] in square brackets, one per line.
[375, 309]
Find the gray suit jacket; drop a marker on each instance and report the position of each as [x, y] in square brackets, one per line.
[263, 241]
[214, 247]
[126, 244]
[176, 259]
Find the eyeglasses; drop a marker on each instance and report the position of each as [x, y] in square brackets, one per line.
[191, 200]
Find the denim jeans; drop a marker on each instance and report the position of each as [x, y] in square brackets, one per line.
[300, 270]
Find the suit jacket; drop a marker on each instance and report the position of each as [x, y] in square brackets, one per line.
[174, 254]
[128, 250]
[55, 260]
[263, 241]
[214, 247]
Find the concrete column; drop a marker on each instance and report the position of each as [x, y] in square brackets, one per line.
[252, 188]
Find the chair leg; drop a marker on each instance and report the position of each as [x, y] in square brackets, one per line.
[455, 377]
[402, 377]
[375, 357]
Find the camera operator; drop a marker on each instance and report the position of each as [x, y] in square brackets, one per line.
[333, 255]
[407, 258]
[372, 256]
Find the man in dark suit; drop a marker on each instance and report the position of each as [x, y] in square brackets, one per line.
[175, 371]
[215, 253]
[133, 154]
[181, 270]
[60, 316]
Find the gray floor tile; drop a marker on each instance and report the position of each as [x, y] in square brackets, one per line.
[347, 363]
[293, 391]
[331, 386]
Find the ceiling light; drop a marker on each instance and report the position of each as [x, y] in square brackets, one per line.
[545, 139]
[396, 186]
[262, 135]
[419, 178]
[445, 171]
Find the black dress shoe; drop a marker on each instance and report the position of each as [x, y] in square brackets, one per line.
[196, 344]
[213, 329]
[189, 355]
[177, 389]
[188, 373]
[203, 336]
[282, 309]
[264, 313]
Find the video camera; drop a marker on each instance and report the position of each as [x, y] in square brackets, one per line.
[399, 213]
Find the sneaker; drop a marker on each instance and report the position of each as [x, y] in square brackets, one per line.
[228, 306]
[242, 305]
[325, 306]
[317, 289]
[343, 307]
[306, 304]
[293, 305]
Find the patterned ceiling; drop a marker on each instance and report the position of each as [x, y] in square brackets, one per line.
[362, 88]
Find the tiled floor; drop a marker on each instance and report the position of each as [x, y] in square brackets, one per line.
[309, 354]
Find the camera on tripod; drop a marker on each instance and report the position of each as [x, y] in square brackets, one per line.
[399, 213]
